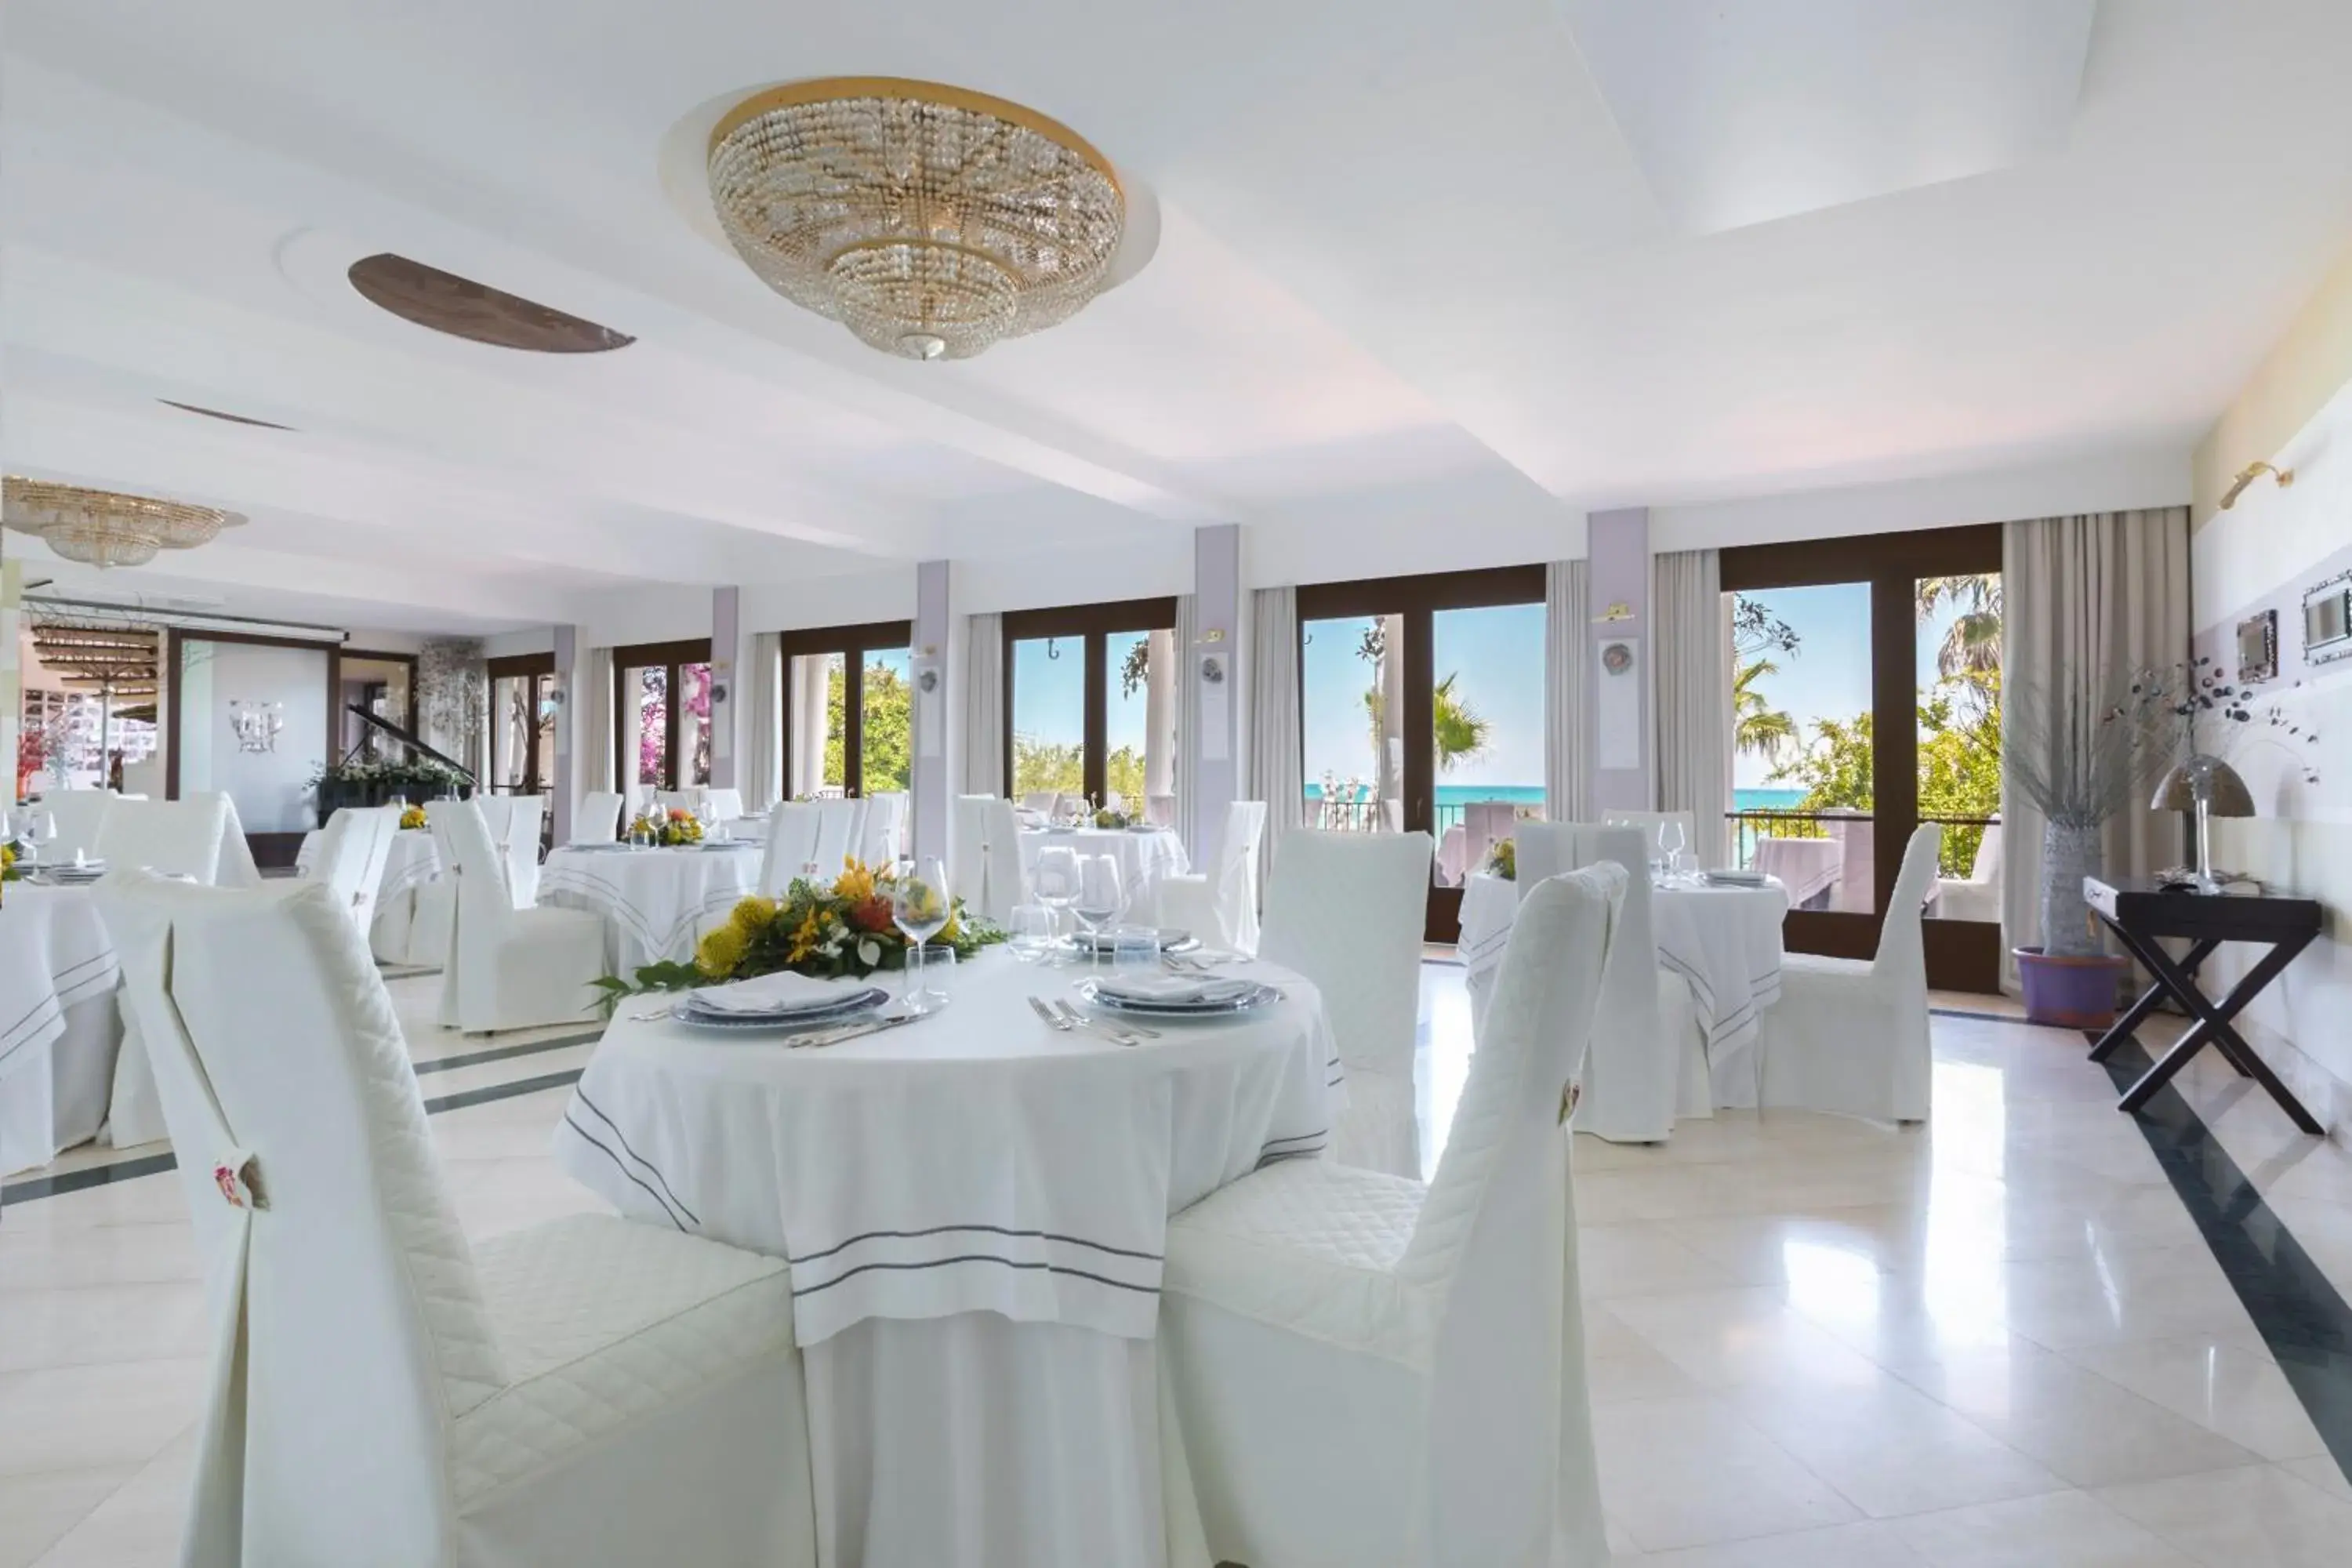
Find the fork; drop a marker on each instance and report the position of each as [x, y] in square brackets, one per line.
[1125, 1033]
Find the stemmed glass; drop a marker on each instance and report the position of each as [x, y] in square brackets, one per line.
[1670, 840]
[1101, 901]
[1054, 881]
[919, 904]
[40, 827]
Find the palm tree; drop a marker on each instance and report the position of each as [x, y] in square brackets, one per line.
[1461, 731]
[1759, 730]
[1971, 647]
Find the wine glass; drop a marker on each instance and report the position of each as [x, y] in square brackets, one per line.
[1670, 841]
[40, 827]
[1102, 901]
[1053, 880]
[919, 904]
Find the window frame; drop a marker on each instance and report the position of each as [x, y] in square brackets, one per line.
[670, 656]
[531, 667]
[1092, 626]
[852, 643]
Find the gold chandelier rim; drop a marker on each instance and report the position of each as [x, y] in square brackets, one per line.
[18, 491]
[910, 90]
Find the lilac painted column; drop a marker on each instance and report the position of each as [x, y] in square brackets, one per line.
[1211, 755]
[928, 670]
[567, 695]
[1617, 704]
[726, 703]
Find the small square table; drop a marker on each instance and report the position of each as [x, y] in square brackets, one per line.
[2140, 913]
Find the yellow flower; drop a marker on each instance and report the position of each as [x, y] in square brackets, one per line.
[751, 916]
[720, 951]
[413, 818]
[856, 884]
[806, 940]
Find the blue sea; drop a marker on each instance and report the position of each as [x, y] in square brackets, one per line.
[1533, 795]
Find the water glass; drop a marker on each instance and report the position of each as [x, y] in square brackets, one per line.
[919, 904]
[1102, 901]
[1029, 933]
[1134, 947]
[1670, 842]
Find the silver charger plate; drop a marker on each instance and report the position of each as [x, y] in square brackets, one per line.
[1173, 939]
[850, 1005]
[1259, 996]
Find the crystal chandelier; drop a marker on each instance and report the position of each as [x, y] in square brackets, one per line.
[103, 528]
[929, 220]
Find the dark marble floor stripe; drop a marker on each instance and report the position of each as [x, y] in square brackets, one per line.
[2302, 1317]
[1981, 1017]
[139, 1166]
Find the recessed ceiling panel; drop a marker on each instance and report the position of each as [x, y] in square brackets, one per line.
[1741, 112]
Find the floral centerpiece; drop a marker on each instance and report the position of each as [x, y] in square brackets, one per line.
[411, 817]
[830, 930]
[1109, 817]
[668, 828]
[1503, 860]
[8, 872]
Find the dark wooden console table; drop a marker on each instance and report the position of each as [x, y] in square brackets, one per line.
[2140, 915]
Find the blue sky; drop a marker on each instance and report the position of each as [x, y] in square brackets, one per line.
[1498, 654]
[1049, 695]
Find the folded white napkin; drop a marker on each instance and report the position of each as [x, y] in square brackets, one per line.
[780, 993]
[1145, 986]
[1736, 878]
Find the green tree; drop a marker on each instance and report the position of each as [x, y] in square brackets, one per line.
[1123, 776]
[1970, 650]
[1044, 764]
[1757, 728]
[1959, 771]
[1461, 731]
[887, 729]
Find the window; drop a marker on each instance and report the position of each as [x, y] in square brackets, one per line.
[661, 716]
[523, 723]
[1422, 707]
[1866, 700]
[1091, 704]
[845, 736]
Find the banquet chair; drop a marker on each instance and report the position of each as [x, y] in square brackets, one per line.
[791, 847]
[1220, 906]
[599, 818]
[721, 805]
[1345, 911]
[519, 847]
[839, 824]
[882, 837]
[1160, 811]
[984, 857]
[1851, 1037]
[1044, 801]
[508, 968]
[352, 855]
[173, 837]
[679, 800]
[1371, 1374]
[382, 1390]
[1977, 896]
[235, 867]
[1645, 1035]
[81, 818]
[1649, 822]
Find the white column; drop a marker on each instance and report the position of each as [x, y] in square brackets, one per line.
[1159, 720]
[12, 674]
[726, 701]
[1211, 759]
[1617, 595]
[930, 783]
[562, 788]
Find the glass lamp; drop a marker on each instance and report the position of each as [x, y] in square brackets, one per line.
[2210, 787]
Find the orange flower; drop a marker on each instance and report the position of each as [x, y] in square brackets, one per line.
[870, 914]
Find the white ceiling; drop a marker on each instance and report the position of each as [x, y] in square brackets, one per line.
[1404, 249]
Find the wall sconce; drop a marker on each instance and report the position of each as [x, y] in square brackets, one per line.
[2247, 476]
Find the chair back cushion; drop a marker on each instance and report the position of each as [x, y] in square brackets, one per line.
[352, 855]
[80, 817]
[170, 838]
[365, 1329]
[1901, 958]
[886, 819]
[723, 805]
[599, 821]
[1630, 1063]
[1548, 848]
[1234, 886]
[984, 857]
[519, 847]
[837, 825]
[792, 846]
[1346, 911]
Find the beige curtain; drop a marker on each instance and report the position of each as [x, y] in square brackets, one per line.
[1188, 721]
[1691, 695]
[764, 768]
[1274, 736]
[1568, 644]
[2087, 599]
[984, 705]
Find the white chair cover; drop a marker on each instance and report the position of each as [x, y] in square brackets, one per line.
[984, 857]
[1977, 896]
[1221, 906]
[599, 819]
[235, 867]
[80, 816]
[380, 1391]
[721, 805]
[1649, 822]
[352, 855]
[791, 847]
[519, 847]
[1852, 1038]
[1345, 909]
[838, 822]
[1369, 1372]
[1638, 1034]
[679, 800]
[170, 838]
[881, 837]
[508, 968]
[1041, 800]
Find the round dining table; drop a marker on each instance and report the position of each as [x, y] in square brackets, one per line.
[1145, 855]
[656, 904]
[974, 1205]
[1724, 940]
[59, 1030]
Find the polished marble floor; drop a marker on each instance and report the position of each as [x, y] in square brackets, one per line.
[2002, 1339]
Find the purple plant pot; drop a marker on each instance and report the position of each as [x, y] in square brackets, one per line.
[2069, 993]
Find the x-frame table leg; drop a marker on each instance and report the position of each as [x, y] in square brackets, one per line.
[2212, 1024]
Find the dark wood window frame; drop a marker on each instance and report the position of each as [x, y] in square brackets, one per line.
[852, 643]
[1418, 599]
[270, 849]
[672, 656]
[1092, 626]
[516, 666]
[1962, 955]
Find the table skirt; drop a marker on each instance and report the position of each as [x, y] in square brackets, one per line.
[56, 1096]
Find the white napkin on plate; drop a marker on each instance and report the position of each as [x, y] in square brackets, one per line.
[784, 991]
[1145, 986]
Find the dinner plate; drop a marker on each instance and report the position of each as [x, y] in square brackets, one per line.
[850, 1005]
[1101, 945]
[1258, 995]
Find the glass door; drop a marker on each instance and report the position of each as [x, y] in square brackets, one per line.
[661, 717]
[847, 735]
[523, 723]
[1420, 709]
[1091, 706]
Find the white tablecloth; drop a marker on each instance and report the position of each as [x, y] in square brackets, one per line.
[1808, 868]
[59, 1031]
[1143, 857]
[1725, 940]
[656, 903]
[975, 1207]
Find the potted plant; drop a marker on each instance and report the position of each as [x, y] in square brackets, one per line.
[2078, 765]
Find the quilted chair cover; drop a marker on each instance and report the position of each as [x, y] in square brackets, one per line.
[1369, 1373]
[1345, 909]
[1852, 1038]
[352, 855]
[382, 1394]
[984, 857]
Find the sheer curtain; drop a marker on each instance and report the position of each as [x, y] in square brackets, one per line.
[594, 684]
[1568, 646]
[1693, 694]
[2087, 598]
[1188, 722]
[984, 705]
[1273, 715]
[764, 768]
